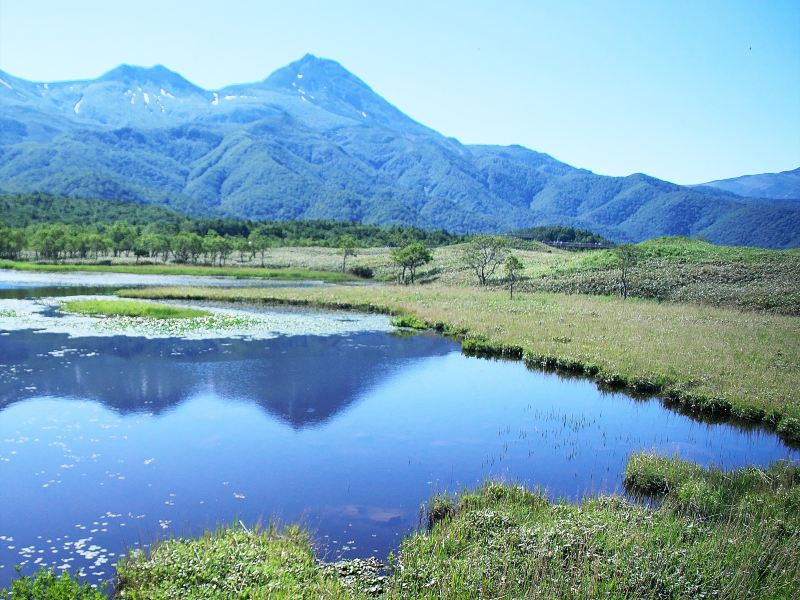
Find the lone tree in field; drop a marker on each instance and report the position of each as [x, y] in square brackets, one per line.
[410, 258]
[259, 242]
[483, 254]
[627, 256]
[347, 245]
[512, 266]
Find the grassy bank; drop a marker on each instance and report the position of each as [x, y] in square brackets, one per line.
[715, 534]
[132, 308]
[706, 360]
[291, 274]
[683, 270]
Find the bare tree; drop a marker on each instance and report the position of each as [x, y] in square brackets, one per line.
[483, 254]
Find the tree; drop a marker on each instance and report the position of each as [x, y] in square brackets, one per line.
[186, 247]
[242, 247]
[50, 241]
[122, 236]
[410, 258]
[12, 242]
[260, 241]
[347, 246]
[512, 266]
[627, 256]
[483, 254]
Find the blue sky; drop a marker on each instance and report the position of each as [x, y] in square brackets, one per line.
[683, 90]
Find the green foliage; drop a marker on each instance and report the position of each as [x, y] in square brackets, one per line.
[440, 509]
[512, 267]
[131, 308]
[362, 271]
[684, 270]
[556, 233]
[46, 585]
[409, 321]
[409, 258]
[716, 535]
[483, 254]
[233, 563]
[347, 245]
[24, 211]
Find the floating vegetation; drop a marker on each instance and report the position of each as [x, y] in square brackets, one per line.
[91, 316]
[132, 308]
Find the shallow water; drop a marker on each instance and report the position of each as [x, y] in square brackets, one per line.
[112, 442]
[27, 284]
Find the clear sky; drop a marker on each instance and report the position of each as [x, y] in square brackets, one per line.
[688, 91]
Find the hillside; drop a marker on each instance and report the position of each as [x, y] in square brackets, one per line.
[313, 141]
[780, 186]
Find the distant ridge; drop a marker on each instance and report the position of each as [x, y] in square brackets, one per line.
[779, 186]
[313, 141]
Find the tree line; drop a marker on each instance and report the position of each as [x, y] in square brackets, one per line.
[59, 241]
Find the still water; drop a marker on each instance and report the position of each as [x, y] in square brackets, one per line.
[110, 442]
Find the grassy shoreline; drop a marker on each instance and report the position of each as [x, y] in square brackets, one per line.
[711, 362]
[714, 534]
[288, 274]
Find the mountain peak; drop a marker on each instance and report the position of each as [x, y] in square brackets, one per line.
[157, 74]
[313, 71]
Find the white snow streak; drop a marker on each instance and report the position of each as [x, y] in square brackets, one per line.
[77, 107]
[215, 101]
[5, 83]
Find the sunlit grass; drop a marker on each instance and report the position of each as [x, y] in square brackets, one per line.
[131, 308]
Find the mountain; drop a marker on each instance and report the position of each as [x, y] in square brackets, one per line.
[313, 141]
[780, 186]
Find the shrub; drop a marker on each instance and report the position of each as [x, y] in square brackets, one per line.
[362, 271]
[440, 509]
[46, 585]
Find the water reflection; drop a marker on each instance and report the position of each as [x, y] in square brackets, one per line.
[301, 380]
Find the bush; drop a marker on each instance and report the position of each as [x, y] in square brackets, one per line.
[46, 585]
[440, 509]
[362, 271]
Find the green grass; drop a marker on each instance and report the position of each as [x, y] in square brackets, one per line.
[717, 535]
[714, 534]
[707, 360]
[683, 270]
[290, 274]
[132, 308]
[46, 585]
[233, 563]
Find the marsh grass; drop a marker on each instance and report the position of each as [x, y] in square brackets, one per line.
[47, 585]
[715, 534]
[506, 541]
[231, 563]
[131, 308]
[708, 361]
[291, 274]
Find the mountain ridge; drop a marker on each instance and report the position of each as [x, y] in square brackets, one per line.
[783, 185]
[314, 141]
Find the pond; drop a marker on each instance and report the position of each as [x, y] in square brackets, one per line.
[114, 438]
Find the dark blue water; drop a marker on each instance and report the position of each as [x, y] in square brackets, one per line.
[109, 443]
